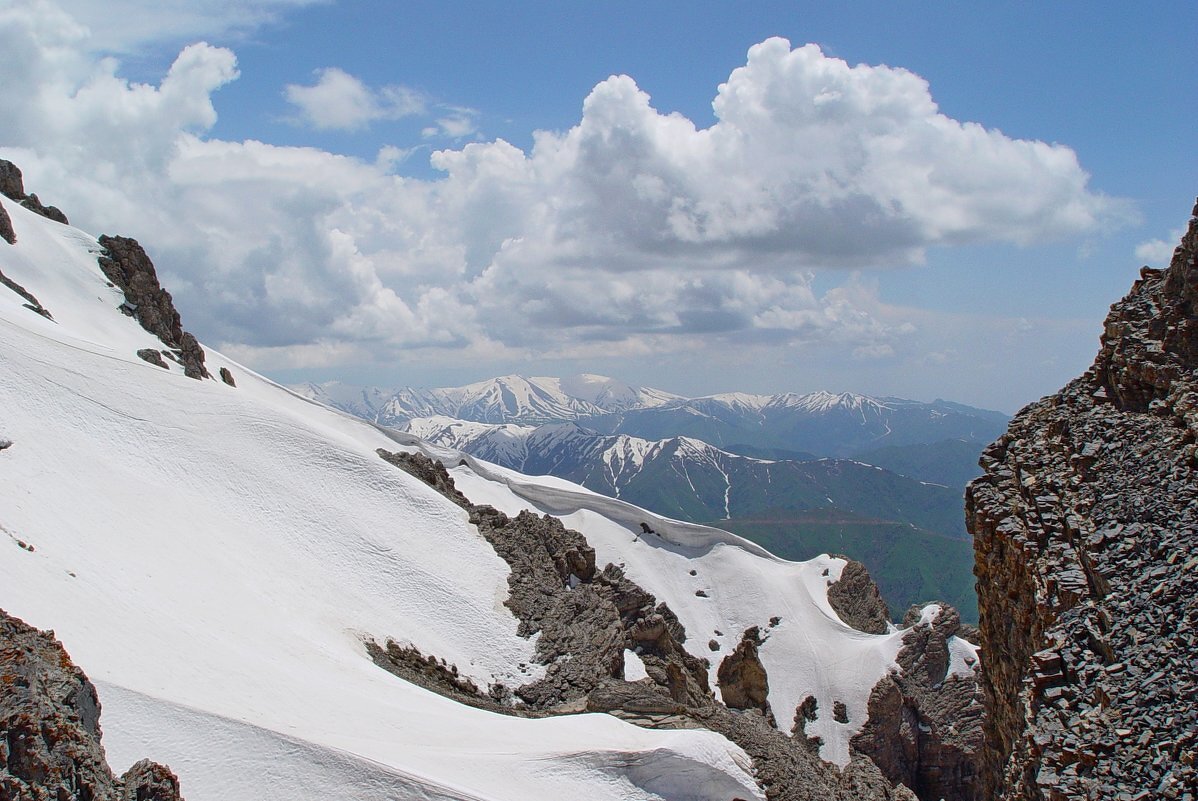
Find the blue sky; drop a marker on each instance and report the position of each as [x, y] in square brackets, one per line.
[827, 228]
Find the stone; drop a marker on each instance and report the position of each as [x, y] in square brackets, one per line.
[1087, 506]
[742, 678]
[126, 265]
[857, 602]
[50, 738]
[227, 377]
[6, 230]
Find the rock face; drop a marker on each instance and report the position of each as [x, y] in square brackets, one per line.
[50, 729]
[1086, 535]
[925, 723]
[742, 678]
[127, 265]
[857, 601]
[12, 185]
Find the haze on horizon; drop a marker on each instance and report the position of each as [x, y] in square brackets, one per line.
[926, 204]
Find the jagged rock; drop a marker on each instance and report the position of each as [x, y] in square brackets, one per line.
[50, 746]
[12, 183]
[149, 781]
[429, 471]
[742, 678]
[227, 377]
[585, 619]
[924, 727]
[127, 266]
[6, 230]
[12, 186]
[1085, 528]
[31, 303]
[857, 602]
[153, 357]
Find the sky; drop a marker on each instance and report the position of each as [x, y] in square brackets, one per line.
[917, 199]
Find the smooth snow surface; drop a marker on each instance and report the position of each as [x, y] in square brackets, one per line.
[214, 558]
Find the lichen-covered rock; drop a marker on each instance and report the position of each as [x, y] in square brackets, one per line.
[126, 265]
[50, 746]
[857, 601]
[149, 781]
[1086, 529]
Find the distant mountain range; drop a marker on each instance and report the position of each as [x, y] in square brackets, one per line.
[816, 423]
[774, 468]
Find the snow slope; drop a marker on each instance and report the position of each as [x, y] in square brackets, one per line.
[214, 557]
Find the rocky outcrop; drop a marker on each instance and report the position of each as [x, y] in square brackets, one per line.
[127, 266]
[742, 678]
[31, 303]
[585, 618]
[227, 377]
[12, 186]
[6, 230]
[857, 602]
[1086, 530]
[925, 722]
[50, 746]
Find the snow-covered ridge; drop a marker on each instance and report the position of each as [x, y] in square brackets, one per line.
[225, 551]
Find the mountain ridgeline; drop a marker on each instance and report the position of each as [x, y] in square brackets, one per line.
[798, 478]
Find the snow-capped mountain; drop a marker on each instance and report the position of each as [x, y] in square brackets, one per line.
[819, 423]
[506, 399]
[225, 559]
[692, 480]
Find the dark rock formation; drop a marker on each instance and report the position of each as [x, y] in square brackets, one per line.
[587, 617]
[12, 186]
[1086, 530]
[227, 377]
[153, 357]
[127, 265]
[857, 601]
[149, 781]
[31, 303]
[925, 726]
[6, 230]
[742, 678]
[50, 729]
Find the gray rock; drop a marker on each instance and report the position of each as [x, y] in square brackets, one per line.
[1084, 528]
[50, 746]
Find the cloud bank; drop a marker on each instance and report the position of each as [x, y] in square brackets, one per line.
[632, 232]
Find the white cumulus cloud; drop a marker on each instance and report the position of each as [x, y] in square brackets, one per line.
[340, 101]
[632, 232]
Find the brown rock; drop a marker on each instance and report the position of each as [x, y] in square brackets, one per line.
[742, 678]
[857, 601]
[126, 264]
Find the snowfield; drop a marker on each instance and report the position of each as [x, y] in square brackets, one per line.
[214, 558]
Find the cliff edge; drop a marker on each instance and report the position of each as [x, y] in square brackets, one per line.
[1086, 555]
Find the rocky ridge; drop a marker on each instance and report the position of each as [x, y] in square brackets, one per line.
[925, 720]
[126, 265]
[587, 617]
[1086, 530]
[50, 746]
[12, 186]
